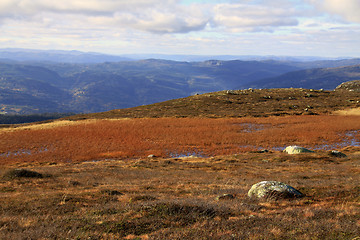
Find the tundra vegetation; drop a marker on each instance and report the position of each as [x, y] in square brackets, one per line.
[95, 179]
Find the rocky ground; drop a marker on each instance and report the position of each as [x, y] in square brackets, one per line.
[243, 103]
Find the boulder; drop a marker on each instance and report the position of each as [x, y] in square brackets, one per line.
[296, 150]
[338, 154]
[273, 190]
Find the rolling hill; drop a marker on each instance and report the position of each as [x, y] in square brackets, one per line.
[38, 87]
[326, 78]
[100, 87]
[241, 103]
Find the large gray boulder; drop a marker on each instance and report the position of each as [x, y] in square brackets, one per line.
[273, 190]
[296, 150]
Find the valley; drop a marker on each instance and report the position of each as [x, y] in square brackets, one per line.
[31, 87]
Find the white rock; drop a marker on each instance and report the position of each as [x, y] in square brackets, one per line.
[296, 150]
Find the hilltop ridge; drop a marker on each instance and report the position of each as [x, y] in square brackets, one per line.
[242, 103]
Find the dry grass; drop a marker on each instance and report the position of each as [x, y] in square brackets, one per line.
[97, 182]
[46, 125]
[137, 138]
[351, 112]
[176, 199]
[242, 103]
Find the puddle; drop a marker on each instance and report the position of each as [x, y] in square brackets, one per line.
[349, 140]
[188, 154]
[16, 153]
[23, 152]
[251, 127]
[351, 136]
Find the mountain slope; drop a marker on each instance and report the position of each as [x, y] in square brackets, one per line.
[326, 78]
[69, 87]
[106, 86]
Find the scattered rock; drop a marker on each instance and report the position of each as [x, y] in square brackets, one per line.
[151, 156]
[296, 150]
[273, 190]
[22, 173]
[225, 196]
[337, 154]
[350, 86]
[230, 92]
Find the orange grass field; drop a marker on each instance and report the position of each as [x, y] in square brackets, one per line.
[170, 137]
[91, 180]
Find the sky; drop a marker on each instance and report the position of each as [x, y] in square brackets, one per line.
[326, 28]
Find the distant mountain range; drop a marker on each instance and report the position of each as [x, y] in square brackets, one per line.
[33, 84]
[326, 78]
[18, 54]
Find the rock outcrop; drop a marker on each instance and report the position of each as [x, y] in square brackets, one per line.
[350, 86]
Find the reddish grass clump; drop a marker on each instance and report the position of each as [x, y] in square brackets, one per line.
[136, 138]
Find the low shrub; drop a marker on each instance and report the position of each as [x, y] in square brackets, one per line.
[22, 173]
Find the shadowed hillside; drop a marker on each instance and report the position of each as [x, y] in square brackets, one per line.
[326, 78]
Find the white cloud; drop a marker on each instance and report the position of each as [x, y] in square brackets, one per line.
[155, 16]
[348, 9]
[244, 17]
[191, 26]
[166, 16]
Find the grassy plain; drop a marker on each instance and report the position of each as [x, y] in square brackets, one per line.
[175, 198]
[98, 183]
[170, 137]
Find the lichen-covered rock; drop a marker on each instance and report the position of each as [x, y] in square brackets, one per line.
[273, 190]
[296, 150]
[338, 154]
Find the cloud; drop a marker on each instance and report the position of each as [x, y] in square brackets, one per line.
[245, 17]
[86, 7]
[166, 16]
[348, 9]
